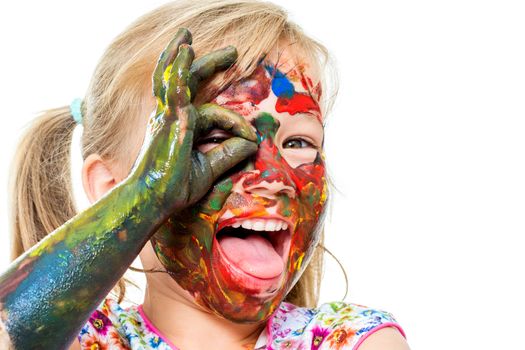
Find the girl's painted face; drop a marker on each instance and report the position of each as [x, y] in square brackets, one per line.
[242, 248]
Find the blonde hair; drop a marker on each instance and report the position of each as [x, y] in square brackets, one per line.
[41, 186]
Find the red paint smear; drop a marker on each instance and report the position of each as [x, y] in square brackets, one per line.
[309, 174]
[318, 91]
[298, 103]
[268, 161]
[308, 85]
[306, 82]
[245, 109]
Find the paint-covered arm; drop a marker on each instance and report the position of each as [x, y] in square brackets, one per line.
[47, 294]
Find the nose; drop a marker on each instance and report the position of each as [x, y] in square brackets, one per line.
[269, 175]
[270, 189]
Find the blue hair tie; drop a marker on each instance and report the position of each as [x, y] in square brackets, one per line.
[76, 110]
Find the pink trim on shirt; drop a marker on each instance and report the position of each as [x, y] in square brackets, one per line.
[269, 338]
[373, 330]
[154, 329]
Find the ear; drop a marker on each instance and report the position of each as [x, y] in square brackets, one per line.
[98, 177]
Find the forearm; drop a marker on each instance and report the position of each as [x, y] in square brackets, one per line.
[47, 294]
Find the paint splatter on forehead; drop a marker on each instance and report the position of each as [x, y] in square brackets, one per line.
[288, 99]
[294, 90]
[244, 96]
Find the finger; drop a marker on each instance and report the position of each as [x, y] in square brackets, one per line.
[228, 154]
[166, 58]
[209, 64]
[178, 94]
[212, 116]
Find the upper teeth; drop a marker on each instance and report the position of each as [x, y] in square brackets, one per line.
[261, 224]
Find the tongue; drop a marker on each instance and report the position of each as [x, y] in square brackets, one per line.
[254, 255]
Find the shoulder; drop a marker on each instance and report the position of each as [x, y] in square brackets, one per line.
[385, 338]
[334, 325]
[114, 327]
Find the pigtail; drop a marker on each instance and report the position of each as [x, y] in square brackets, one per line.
[40, 186]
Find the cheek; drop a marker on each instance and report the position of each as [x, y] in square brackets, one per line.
[311, 207]
[183, 241]
[297, 157]
[310, 180]
[312, 187]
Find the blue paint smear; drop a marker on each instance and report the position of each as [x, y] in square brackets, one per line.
[281, 86]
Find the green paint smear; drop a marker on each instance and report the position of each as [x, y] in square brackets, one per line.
[286, 206]
[266, 126]
[225, 186]
[215, 203]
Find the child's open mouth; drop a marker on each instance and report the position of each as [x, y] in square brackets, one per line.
[256, 247]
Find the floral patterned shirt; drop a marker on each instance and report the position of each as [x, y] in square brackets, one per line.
[331, 326]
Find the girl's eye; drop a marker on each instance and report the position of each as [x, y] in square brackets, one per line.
[213, 140]
[297, 143]
[216, 136]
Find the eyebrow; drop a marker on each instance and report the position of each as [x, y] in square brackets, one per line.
[318, 117]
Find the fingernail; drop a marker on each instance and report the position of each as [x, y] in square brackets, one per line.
[185, 33]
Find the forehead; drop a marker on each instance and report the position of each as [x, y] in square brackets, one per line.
[301, 70]
[281, 84]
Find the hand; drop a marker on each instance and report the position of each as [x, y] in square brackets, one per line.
[172, 172]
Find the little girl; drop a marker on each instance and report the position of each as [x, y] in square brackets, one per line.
[224, 202]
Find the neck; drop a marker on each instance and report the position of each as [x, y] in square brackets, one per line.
[188, 326]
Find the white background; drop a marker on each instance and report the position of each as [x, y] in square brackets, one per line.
[426, 147]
